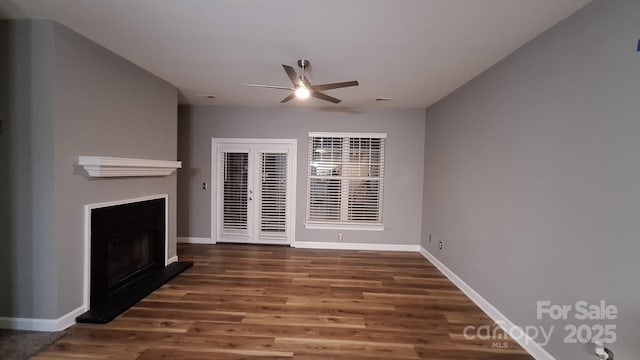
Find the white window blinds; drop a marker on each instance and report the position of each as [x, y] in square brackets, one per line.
[234, 190]
[273, 195]
[346, 173]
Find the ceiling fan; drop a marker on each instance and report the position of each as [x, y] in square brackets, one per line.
[302, 88]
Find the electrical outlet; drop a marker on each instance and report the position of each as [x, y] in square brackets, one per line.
[440, 245]
[204, 186]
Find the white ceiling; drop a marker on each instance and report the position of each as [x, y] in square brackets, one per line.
[414, 51]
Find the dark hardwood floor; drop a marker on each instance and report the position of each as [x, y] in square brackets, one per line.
[268, 302]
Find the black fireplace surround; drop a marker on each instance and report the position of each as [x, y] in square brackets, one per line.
[127, 257]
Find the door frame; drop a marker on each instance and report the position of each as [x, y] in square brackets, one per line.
[291, 201]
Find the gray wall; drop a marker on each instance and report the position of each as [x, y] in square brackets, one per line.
[403, 162]
[104, 105]
[532, 178]
[76, 98]
[27, 266]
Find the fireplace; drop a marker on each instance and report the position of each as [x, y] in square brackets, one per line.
[127, 242]
[127, 256]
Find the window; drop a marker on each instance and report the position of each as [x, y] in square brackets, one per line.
[345, 181]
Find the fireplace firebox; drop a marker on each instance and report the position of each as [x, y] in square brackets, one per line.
[127, 257]
[127, 242]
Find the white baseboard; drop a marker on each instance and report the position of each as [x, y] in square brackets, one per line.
[194, 240]
[172, 259]
[354, 246]
[527, 343]
[34, 324]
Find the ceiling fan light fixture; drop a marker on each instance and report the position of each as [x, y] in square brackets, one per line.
[302, 92]
[302, 87]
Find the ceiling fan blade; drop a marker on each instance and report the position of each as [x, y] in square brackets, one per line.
[288, 98]
[306, 83]
[292, 75]
[321, 96]
[270, 86]
[334, 85]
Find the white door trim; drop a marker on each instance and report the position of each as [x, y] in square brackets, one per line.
[292, 176]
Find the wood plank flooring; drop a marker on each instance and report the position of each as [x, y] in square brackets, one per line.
[268, 302]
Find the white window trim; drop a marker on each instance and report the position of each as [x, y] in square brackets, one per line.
[343, 225]
[339, 226]
[348, 134]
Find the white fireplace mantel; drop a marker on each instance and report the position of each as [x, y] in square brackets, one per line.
[101, 166]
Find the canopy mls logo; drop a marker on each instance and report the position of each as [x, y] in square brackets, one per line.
[500, 332]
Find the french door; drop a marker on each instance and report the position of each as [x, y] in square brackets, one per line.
[254, 190]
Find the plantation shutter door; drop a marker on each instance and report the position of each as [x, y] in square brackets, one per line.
[234, 179]
[254, 191]
[272, 196]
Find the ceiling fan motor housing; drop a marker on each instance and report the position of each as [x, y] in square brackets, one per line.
[303, 63]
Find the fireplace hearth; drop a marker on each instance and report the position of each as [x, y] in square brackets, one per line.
[127, 257]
